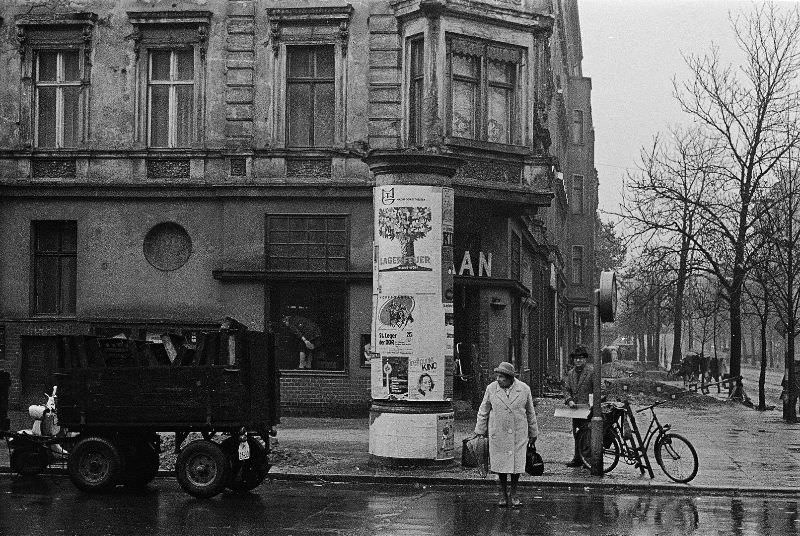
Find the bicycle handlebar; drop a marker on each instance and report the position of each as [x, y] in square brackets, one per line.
[651, 406]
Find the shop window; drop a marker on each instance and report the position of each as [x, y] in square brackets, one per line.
[170, 97]
[54, 267]
[577, 194]
[515, 256]
[309, 96]
[309, 321]
[307, 243]
[416, 89]
[170, 53]
[577, 265]
[483, 90]
[55, 49]
[577, 127]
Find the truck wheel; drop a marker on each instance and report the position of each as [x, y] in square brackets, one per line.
[246, 475]
[94, 464]
[202, 469]
[141, 465]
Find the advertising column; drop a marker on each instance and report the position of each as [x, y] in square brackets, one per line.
[412, 327]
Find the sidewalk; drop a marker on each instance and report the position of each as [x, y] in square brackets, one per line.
[740, 450]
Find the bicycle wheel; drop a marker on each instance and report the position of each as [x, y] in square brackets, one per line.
[611, 452]
[677, 457]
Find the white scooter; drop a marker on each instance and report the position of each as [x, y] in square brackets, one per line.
[32, 450]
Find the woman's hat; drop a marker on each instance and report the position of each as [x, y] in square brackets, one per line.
[506, 368]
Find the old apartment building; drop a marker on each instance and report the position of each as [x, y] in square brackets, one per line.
[163, 165]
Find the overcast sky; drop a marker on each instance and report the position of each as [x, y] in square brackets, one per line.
[632, 51]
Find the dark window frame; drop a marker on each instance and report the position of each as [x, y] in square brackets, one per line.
[482, 49]
[577, 267]
[578, 193]
[276, 297]
[515, 257]
[328, 218]
[173, 83]
[577, 127]
[313, 81]
[61, 228]
[416, 88]
[59, 84]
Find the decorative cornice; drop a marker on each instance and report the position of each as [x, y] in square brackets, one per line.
[485, 12]
[404, 162]
[198, 19]
[188, 17]
[280, 17]
[81, 22]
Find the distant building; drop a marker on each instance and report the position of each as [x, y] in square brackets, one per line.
[164, 165]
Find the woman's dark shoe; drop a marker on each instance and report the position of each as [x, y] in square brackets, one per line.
[515, 501]
[502, 502]
[574, 463]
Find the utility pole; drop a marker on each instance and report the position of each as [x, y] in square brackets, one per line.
[605, 309]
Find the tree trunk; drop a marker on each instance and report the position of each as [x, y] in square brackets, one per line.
[735, 365]
[762, 403]
[677, 311]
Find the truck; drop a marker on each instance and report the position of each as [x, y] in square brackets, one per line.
[117, 398]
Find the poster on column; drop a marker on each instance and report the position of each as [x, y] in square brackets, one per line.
[407, 336]
[408, 230]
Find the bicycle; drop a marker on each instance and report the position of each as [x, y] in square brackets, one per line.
[674, 453]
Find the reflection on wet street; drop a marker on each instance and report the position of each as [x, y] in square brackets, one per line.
[51, 506]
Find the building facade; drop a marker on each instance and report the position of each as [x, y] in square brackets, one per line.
[164, 165]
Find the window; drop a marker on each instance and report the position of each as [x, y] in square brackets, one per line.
[309, 321]
[577, 265]
[577, 194]
[58, 88]
[416, 88]
[55, 51]
[170, 53]
[307, 243]
[577, 127]
[515, 256]
[483, 88]
[310, 100]
[170, 97]
[54, 267]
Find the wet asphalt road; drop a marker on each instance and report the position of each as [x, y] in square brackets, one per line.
[51, 506]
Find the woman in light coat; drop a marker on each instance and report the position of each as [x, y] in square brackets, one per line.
[508, 416]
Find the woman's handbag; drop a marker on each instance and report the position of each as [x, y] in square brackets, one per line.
[534, 465]
[476, 454]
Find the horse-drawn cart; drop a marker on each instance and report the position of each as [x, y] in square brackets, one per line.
[116, 397]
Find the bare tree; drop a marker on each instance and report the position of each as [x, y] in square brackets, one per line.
[660, 207]
[745, 112]
[782, 227]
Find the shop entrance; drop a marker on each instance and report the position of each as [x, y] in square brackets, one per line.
[467, 343]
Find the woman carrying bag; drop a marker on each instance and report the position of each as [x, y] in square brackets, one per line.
[508, 416]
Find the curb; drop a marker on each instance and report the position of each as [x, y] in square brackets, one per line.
[401, 480]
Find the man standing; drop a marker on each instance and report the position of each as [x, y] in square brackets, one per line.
[578, 384]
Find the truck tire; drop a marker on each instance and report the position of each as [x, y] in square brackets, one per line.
[94, 464]
[141, 465]
[246, 475]
[202, 469]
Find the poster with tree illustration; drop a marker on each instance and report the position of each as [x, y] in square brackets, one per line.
[405, 225]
